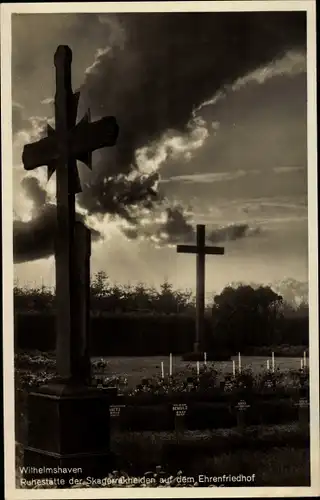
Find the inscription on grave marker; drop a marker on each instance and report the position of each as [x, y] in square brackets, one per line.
[115, 410]
[242, 405]
[241, 408]
[180, 409]
[116, 417]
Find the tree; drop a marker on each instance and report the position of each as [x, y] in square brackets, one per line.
[142, 297]
[33, 299]
[166, 299]
[246, 316]
[172, 301]
[99, 284]
[98, 290]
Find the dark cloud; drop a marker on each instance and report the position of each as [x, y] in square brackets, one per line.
[165, 65]
[177, 227]
[34, 191]
[168, 226]
[232, 232]
[154, 70]
[174, 226]
[119, 195]
[34, 239]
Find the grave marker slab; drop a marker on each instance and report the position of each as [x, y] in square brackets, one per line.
[241, 409]
[269, 385]
[304, 411]
[180, 410]
[116, 414]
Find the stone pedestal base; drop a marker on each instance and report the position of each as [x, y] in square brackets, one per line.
[68, 433]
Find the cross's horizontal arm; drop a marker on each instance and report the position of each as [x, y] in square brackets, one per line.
[87, 136]
[40, 153]
[205, 250]
[83, 138]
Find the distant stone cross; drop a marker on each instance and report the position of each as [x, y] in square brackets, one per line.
[201, 250]
[60, 150]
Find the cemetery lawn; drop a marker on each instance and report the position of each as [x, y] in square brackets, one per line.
[137, 368]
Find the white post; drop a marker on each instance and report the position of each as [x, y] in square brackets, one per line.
[268, 365]
[273, 364]
[198, 368]
[205, 359]
[301, 364]
[162, 370]
[239, 362]
[170, 365]
[234, 367]
[305, 359]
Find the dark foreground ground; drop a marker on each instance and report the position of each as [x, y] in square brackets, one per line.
[201, 453]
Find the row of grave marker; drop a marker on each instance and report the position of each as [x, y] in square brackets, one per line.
[303, 364]
[180, 412]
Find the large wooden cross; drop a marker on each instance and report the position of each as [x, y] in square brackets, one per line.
[201, 250]
[60, 150]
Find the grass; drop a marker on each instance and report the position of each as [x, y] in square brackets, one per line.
[278, 467]
[169, 448]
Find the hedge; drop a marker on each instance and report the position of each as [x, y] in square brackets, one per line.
[138, 334]
[115, 334]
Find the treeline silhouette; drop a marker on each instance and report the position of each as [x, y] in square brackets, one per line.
[109, 297]
[137, 320]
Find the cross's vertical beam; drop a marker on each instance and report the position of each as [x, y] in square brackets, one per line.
[200, 291]
[82, 299]
[201, 250]
[65, 117]
[68, 426]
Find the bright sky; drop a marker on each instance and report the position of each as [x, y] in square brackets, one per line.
[245, 162]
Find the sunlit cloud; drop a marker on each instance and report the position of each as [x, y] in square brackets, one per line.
[291, 64]
[288, 169]
[173, 145]
[207, 177]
